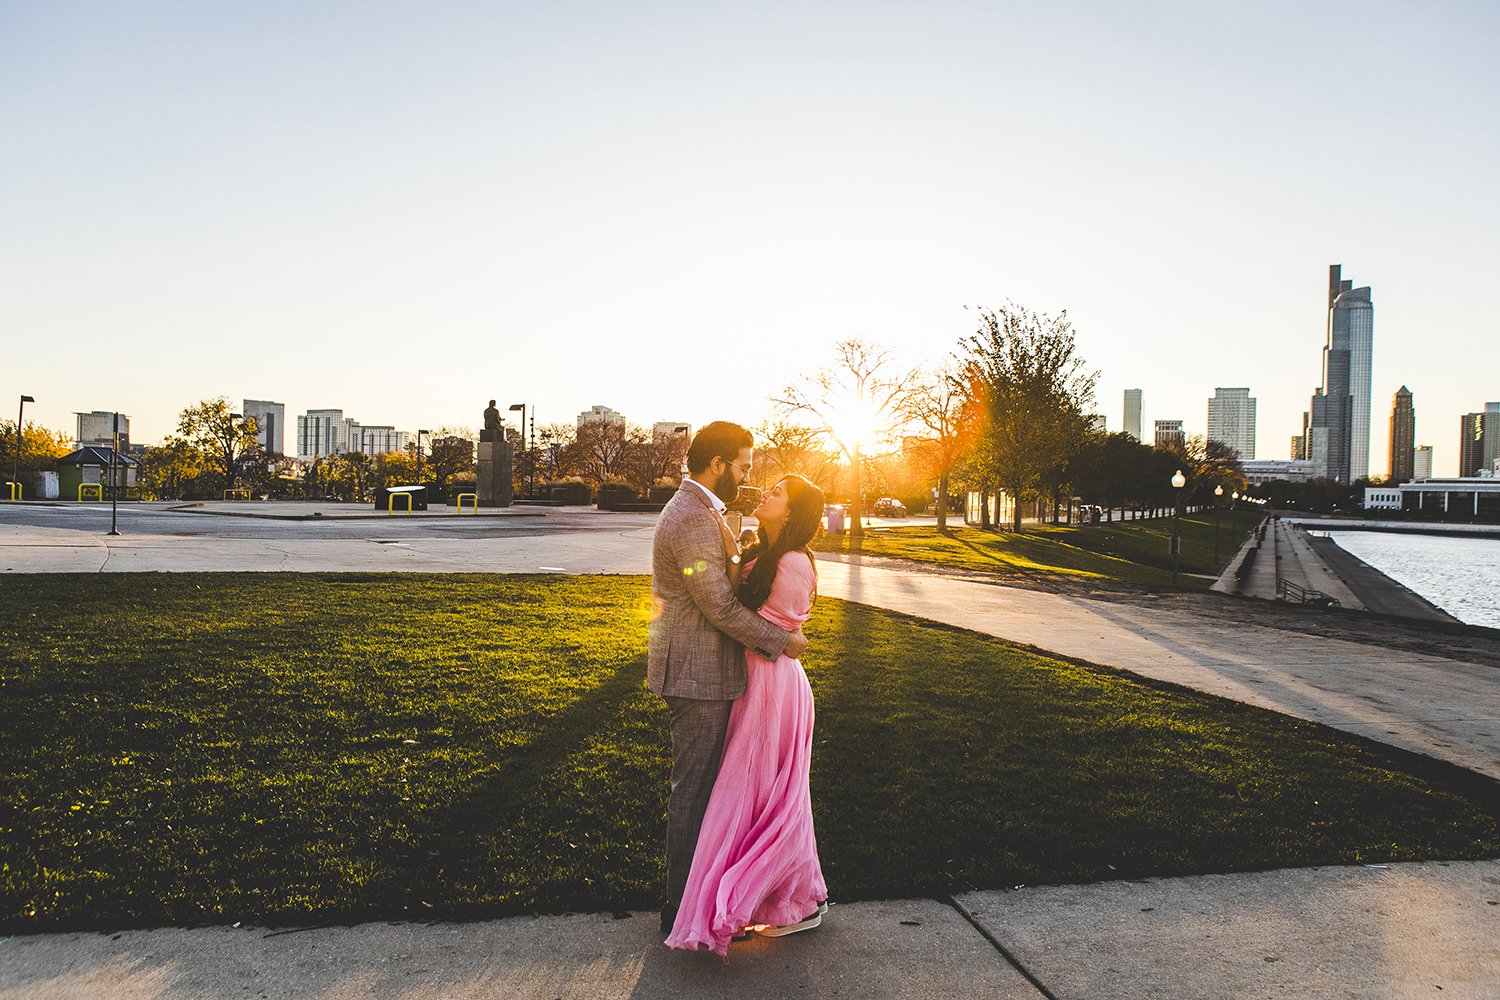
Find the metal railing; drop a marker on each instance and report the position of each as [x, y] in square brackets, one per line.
[15, 490]
[1286, 590]
[474, 497]
[237, 494]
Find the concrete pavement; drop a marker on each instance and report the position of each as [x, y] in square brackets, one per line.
[1397, 931]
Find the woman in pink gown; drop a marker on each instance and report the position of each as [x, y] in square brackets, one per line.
[756, 864]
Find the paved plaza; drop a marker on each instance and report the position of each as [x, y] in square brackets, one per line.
[1378, 931]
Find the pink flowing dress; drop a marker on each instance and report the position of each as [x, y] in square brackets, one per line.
[757, 856]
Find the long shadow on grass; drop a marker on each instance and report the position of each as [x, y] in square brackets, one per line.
[511, 801]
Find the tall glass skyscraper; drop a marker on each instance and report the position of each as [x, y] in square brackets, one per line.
[1338, 431]
[1133, 413]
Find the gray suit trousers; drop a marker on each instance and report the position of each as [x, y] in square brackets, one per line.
[698, 729]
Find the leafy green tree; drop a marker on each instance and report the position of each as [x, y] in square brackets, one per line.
[41, 447]
[221, 437]
[1035, 396]
[173, 470]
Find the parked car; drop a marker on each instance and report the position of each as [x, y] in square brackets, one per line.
[888, 507]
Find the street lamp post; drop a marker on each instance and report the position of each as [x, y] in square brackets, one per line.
[15, 489]
[522, 408]
[114, 480]
[420, 432]
[1218, 495]
[1178, 482]
[1234, 513]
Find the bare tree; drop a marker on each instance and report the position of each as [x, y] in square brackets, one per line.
[853, 401]
[782, 448]
[939, 407]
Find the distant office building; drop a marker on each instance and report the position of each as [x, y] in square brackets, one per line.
[321, 433]
[1260, 472]
[374, 439]
[97, 429]
[1421, 465]
[1296, 449]
[1338, 426]
[1479, 441]
[270, 424]
[601, 414]
[1170, 435]
[1133, 413]
[1231, 420]
[1403, 437]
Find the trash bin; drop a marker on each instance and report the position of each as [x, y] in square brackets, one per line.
[835, 520]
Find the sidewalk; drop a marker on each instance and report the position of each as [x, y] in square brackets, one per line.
[1379, 932]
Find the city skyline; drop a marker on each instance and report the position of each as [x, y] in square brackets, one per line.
[408, 213]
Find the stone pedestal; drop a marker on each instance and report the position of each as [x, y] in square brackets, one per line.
[495, 486]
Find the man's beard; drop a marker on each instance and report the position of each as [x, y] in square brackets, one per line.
[725, 487]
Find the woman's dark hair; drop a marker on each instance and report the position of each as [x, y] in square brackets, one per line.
[804, 520]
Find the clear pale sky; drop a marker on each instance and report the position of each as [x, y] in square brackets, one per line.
[404, 210]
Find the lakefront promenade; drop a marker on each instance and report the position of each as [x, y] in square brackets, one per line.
[1366, 931]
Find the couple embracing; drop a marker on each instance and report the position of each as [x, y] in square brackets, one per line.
[742, 857]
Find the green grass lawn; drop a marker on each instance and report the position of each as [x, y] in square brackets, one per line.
[1134, 552]
[281, 748]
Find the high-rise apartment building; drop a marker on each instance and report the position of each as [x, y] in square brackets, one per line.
[374, 439]
[96, 429]
[1170, 435]
[1421, 464]
[1403, 438]
[1133, 413]
[1338, 426]
[1231, 420]
[321, 433]
[1479, 440]
[1297, 451]
[270, 424]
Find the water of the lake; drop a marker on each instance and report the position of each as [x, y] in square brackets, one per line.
[1459, 575]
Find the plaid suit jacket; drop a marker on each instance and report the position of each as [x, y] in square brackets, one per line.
[700, 629]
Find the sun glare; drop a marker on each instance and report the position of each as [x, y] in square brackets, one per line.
[857, 423]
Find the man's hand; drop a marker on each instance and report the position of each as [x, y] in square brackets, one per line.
[796, 645]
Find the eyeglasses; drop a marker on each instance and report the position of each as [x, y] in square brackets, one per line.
[744, 472]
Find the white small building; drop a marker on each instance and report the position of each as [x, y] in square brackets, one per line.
[1265, 470]
[1382, 498]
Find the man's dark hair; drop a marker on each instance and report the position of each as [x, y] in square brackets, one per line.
[719, 439]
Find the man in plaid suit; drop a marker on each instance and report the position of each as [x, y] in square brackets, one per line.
[699, 634]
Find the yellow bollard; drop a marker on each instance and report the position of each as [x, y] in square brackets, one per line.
[97, 489]
[470, 496]
[15, 490]
[390, 502]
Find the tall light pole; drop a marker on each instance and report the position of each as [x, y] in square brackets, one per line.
[420, 432]
[229, 452]
[522, 408]
[1178, 482]
[15, 490]
[1218, 494]
[114, 479]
